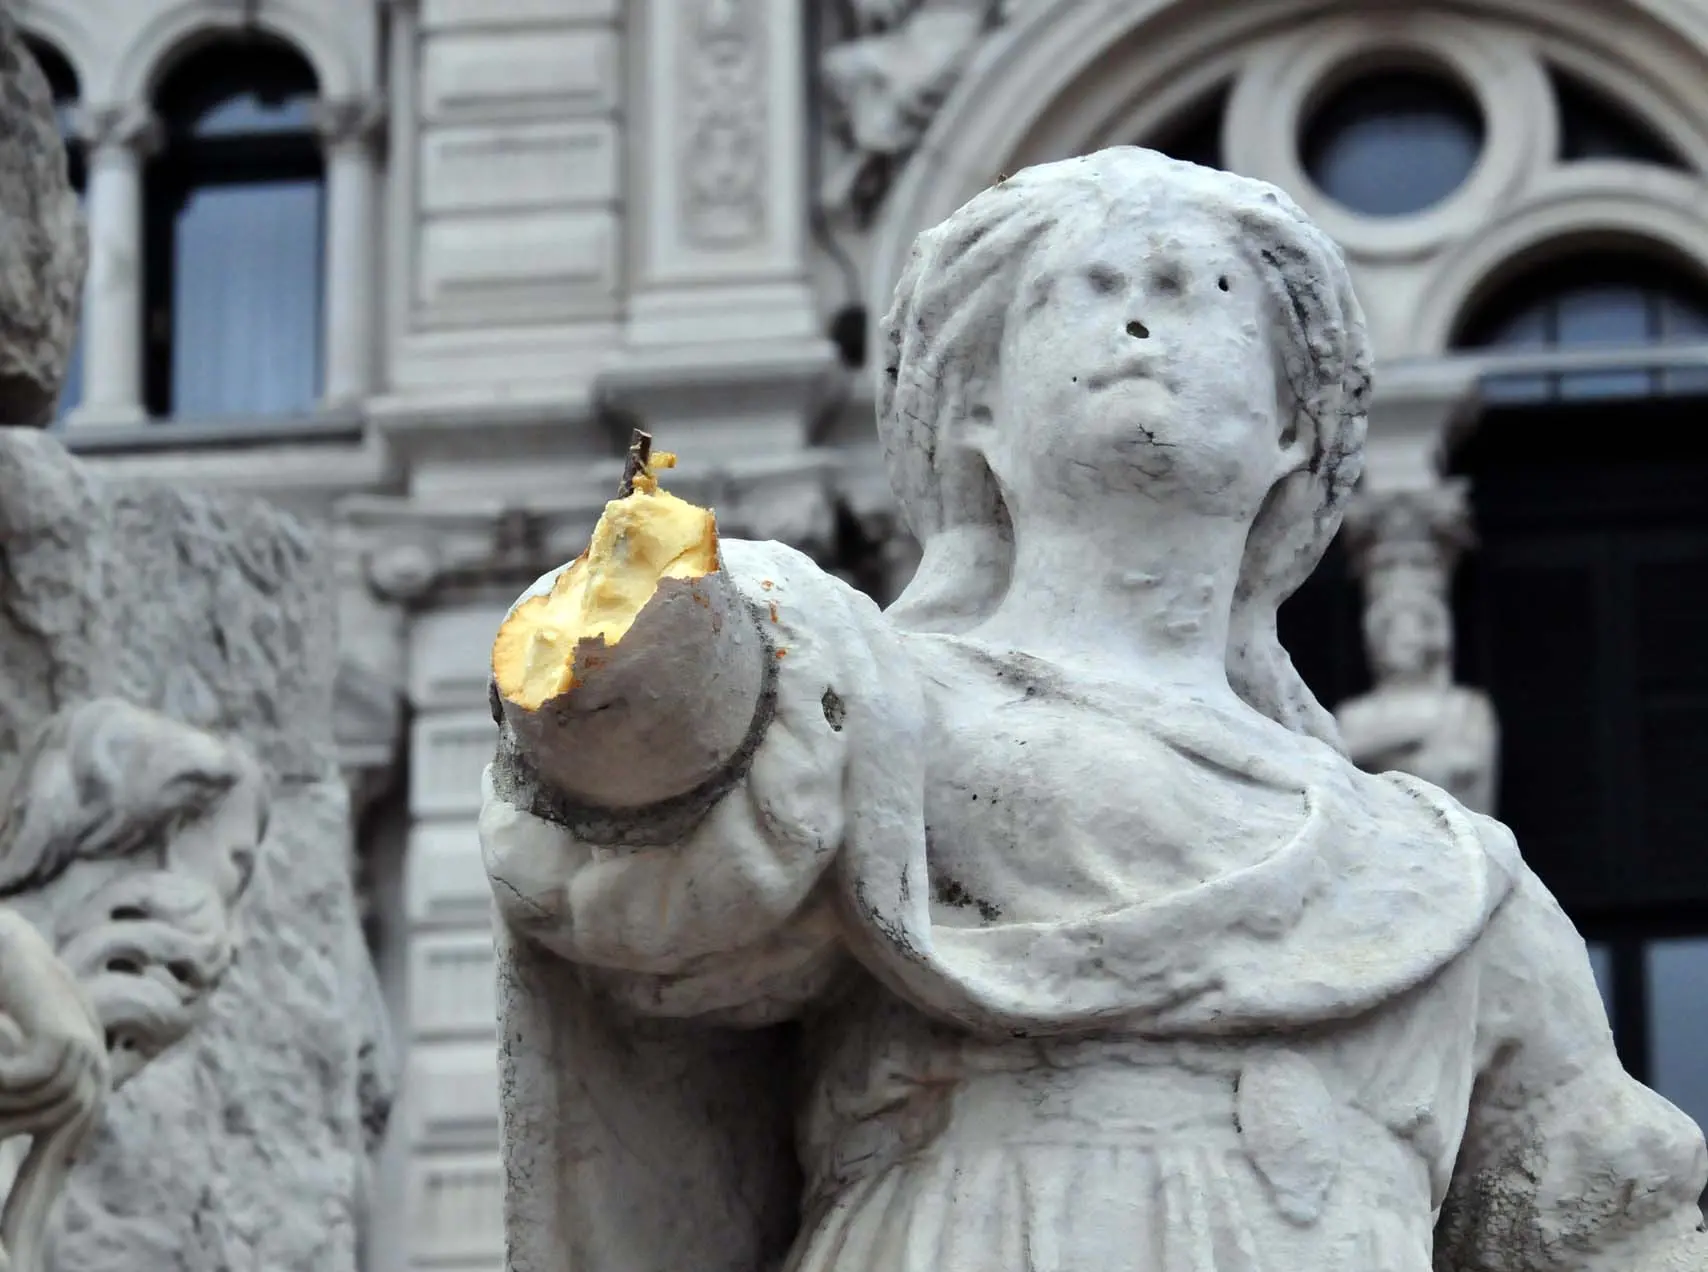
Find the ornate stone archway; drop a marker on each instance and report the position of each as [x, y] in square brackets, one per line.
[1067, 77]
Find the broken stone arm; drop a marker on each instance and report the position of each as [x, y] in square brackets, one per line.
[672, 843]
[657, 725]
[1567, 1164]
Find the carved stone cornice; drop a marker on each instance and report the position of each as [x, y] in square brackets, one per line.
[723, 69]
[343, 122]
[416, 550]
[105, 127]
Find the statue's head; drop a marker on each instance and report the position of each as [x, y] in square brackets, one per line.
[1127, 326]
[129, 838]
[1404, 545]
[1408, 625]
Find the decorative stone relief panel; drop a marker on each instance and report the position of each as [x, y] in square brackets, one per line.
[724, 73]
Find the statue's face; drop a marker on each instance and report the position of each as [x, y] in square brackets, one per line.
[1138, 361]
[219, 848]
[1408, 629]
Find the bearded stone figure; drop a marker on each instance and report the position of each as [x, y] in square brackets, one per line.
[1039, 923]
[126, 842]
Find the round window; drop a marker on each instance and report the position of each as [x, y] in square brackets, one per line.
[1393, 142]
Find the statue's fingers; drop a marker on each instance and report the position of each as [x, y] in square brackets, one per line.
[34, 1074]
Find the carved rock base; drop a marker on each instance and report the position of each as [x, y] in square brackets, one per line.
[243, 1146]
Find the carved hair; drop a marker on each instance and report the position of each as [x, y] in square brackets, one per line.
[945, 331]
[107, 779]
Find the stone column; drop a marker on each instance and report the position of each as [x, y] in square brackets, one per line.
[725, 347]
[119, 138]
[349, 129]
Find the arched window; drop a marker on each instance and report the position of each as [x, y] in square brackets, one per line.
[233, 246]
[1608, 299]
[62, 80]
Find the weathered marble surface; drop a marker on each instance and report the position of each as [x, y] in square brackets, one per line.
[244, 1146]
[127, 840]
[43, 243]
[1049, 927]
[1416, 719]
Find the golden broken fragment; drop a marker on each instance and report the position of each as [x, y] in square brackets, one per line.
[641, 539]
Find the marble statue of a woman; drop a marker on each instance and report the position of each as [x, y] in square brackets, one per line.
[1097, 954]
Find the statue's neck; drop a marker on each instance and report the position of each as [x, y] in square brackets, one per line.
[1432, 678]
[1156, 598]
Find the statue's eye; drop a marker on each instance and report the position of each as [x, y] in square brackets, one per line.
[1105, 280]
[1222, 283]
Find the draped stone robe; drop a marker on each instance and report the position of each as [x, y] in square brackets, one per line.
[987, 963]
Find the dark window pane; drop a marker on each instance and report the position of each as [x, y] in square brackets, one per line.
[1394, 142]
[1321, 627]
[1195, 135]
[1601, 963]
[1594, 126]
[61, 79]
[1678, 1023]
[1606, 314]
[1517, 390]
[1588, 386]
[247, 88]
[246, 300]
[234, 236]
[1608, 300]
[248, 112]
[1527, 634]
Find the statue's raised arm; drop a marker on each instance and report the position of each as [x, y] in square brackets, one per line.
[1097, 951]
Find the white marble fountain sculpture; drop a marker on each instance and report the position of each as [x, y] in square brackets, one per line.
[1094, 950]
[126, 842]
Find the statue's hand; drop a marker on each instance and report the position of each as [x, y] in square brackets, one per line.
[53, 1079]
[53, 1055]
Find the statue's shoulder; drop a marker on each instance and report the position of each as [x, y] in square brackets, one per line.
[1422, 817]
[815, 621]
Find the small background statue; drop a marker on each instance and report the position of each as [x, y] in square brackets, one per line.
[1416, 720]
[127, 840]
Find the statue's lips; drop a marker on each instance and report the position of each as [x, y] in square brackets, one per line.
[1121, 373]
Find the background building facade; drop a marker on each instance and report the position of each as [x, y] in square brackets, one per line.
[415, 268]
